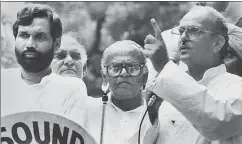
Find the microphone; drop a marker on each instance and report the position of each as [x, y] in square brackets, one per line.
[150, 103]
[151, 100]
[105, 89]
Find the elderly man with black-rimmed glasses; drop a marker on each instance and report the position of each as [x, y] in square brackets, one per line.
[125, 75]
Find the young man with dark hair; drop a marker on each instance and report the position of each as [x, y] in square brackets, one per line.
[33, 86]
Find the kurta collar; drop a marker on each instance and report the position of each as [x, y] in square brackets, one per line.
[136, 110]
[212, 72]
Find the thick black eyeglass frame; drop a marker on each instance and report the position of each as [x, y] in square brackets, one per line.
[124, 65]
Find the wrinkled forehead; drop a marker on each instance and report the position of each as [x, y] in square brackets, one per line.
[200, 18]
[124, 52]
[69, 43]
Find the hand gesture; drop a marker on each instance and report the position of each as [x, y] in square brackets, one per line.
[155, 48]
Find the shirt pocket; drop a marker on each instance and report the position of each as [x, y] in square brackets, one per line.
[178, 122]
[177, 125]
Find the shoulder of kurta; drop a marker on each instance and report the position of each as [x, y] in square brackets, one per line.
[93, 102]
[232, 81]
[68, 82]
[9, 72]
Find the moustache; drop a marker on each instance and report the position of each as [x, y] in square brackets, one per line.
[183, 44]
[31, 51]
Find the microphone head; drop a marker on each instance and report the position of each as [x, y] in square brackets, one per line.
[105, 88]
[151, 100]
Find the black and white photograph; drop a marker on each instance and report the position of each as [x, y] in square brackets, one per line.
[121, 72]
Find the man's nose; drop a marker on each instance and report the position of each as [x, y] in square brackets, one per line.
[184, 36]
[123, 72]
[68, 60]
[30, 43]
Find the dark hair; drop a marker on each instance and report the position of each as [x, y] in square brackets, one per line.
[26, 15]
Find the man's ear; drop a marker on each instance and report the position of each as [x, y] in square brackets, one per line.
[84, 70]
[146, 73]
[57, 43]
[219, 44]
[103, 77]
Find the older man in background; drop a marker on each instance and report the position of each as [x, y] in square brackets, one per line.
[233, 56]
[70, 59]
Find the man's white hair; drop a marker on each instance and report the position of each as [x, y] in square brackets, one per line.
[122, 42]
[81, 48]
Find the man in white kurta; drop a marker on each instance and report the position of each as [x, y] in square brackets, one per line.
[199, 107]
[54, 94]
[120, 127]
[126, 105]
[33, 86]
[203, 112]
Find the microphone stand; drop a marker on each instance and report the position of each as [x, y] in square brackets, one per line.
[150, 103]
[104, 99]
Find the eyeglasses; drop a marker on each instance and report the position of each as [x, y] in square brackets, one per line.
[63, 54]
[115, 70]
[192, 32]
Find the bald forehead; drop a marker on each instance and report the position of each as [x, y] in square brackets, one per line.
[68, 39]
[123, 47]
[126, 49]
[200, 17]
[68, 42]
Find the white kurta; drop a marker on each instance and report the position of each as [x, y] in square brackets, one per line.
[205, 112]
[121, 127]
[54, 94]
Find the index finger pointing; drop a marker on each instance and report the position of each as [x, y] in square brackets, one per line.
[156, 29]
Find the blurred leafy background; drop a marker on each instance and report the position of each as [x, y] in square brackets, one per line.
[99, 24]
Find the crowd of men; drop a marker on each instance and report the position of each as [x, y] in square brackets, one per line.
[201, 104]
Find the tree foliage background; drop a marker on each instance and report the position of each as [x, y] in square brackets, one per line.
[99, 24]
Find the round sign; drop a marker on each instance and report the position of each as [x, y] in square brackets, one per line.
[42, 128]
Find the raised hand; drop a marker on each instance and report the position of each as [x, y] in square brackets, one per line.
[155, 48]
